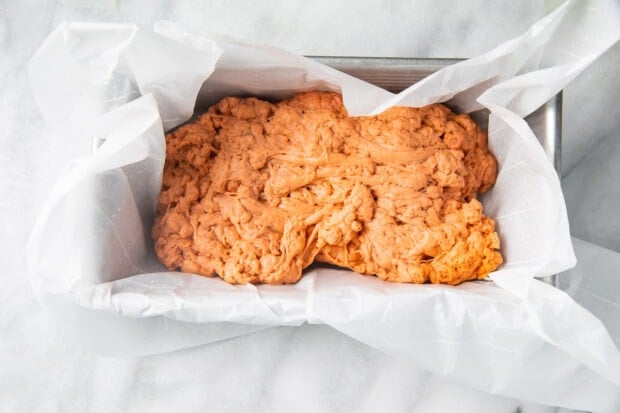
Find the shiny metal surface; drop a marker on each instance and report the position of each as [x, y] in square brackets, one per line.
[393, 74]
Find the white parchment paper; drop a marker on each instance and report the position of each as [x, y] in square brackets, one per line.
[90, 255]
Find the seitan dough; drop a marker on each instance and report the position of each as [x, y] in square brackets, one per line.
[254, 192]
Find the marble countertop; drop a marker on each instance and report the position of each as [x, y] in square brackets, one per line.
[308, 368]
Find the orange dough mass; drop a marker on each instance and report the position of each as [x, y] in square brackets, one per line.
[254, 192]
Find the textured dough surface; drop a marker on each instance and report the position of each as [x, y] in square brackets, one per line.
[254, 192]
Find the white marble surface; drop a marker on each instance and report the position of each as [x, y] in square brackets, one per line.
[311, 368]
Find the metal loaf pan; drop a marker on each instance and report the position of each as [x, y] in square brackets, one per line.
[396, 74]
